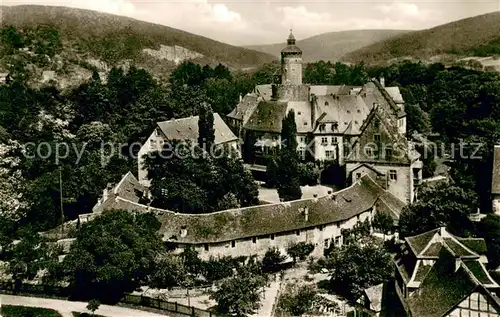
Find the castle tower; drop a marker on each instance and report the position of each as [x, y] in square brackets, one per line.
[291, 63]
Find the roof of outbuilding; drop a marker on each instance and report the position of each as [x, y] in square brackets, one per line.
[265, 219]
[244, 105]
[187, 129]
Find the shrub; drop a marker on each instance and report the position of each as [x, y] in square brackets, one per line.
[300, 250]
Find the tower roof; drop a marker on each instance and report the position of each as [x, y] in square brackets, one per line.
[291, 48]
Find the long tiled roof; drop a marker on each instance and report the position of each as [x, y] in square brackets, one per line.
[495, 184]
[262, 220]
[187, 129]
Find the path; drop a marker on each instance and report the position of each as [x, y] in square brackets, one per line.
[66, 307]
[267, 303]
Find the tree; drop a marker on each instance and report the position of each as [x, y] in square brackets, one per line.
[93, 305]
[112, 254]
[169, 271]
[288, 166]
[206, 132]
[300, 250]
[489, 229]
[239, 295]
[272, 260]
[217, 269]
[356, 267]
[383, 222]
[444, 205]
[298, 301]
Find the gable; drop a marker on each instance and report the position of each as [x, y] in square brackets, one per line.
[382, 139]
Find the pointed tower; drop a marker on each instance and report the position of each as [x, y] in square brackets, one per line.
[291, 63]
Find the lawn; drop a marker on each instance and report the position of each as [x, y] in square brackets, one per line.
[21, 311]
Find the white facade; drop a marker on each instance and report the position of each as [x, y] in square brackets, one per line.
[321, 236]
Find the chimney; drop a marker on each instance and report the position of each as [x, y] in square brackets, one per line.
[306, 213]
[442, 231]
[241, 97]
[382, 81]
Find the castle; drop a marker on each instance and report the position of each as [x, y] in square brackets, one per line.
[361, 128]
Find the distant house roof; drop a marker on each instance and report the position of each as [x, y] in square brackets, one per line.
[268, 116]
[265, 219]
[245, 104]
[495, 184]
[187, 129]
[128, 188]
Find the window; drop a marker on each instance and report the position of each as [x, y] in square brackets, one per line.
[233, 244]
[298, 113]
[393, 175]
[254, 240]
[322, 127]
[320, 228]
[329, 154]
[152, 144]
[355, 121]
[302, 139]
[327, 243]
[348, 111]
[297, 232]
[358, 175]
[335, 126]
[377, 123]
[334, 140]
[338, 225]
[359, 111]
[272, 237]
[206, 247]
[326, 103]
[337, 241]
[324, 140]
[376, 137]
[302, 154]
[157, 133]
[305, 123]
[357, 217]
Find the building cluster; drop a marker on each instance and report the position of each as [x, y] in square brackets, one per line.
[361, 128]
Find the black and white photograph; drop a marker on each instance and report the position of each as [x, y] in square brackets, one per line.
[249, 158]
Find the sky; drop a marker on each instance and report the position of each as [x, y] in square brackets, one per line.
[249, 22]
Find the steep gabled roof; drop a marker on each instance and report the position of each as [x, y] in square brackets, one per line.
[268, 116]
[243, 106]
[495, 184]
[187, 129]
[428, 244]
[442, 288]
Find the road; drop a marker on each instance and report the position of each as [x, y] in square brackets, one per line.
[66, 307]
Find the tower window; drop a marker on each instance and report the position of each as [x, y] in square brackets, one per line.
[376, 137]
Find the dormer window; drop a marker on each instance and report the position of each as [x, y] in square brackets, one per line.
[348, 111]
[322, 128]
[335, 126]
